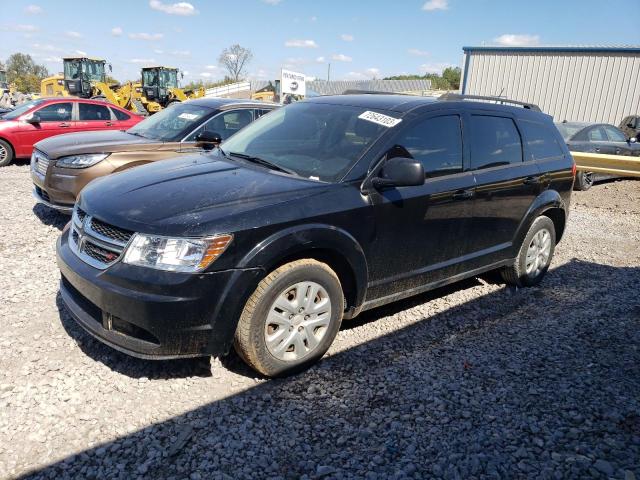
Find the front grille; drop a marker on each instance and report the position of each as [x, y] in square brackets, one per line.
[96, 242]
[39, 162]
[109, 231]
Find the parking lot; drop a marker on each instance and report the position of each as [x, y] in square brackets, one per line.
[473, 380]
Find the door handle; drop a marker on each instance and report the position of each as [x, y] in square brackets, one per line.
[463, 194]
[533, 180]
[109, 124]
[618, 151]
[64, 125]
[597, 150]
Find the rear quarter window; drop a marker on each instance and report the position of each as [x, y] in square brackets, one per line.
[495, 141]
[540, 141]
[120, 115]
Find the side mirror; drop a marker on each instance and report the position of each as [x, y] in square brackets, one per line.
[208, 140]
[633, 140]
[400, 172]
[34, 119]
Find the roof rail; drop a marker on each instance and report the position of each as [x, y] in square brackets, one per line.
[457, 96]
[369, 92]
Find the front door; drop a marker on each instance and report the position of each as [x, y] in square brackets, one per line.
[421, 231]
[55, 119]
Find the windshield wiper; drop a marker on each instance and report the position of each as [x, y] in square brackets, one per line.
[137, 134]
[263, 162]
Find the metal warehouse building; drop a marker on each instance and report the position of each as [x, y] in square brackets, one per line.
[589, 84]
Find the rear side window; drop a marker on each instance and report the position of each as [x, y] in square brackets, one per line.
[597, 135]
[540, 141]
[56, 112]
[120, 115]
[91, 111]
[495, 141]
[614, 134]
[436, 143]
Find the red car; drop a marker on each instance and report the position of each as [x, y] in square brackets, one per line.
[33, 121]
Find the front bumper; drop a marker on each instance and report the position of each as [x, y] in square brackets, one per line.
[43, 198]
[153, 314]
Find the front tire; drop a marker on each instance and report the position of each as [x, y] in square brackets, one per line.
[291, 319]
[6, 153]
[534, 256]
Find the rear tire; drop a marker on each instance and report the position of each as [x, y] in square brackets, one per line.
[6, 153]
[584, 181]
[534, 256]
[291, 319]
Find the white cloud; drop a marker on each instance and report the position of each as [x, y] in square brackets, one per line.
[180, 8]
[53, 59]
[272, 2]
[186, 74]
[80, 53]
[314, 19]
[206, 74]
[367, 74]
[158, 51]
[19, 28]
[356, 76]
[211, 67]
[372, 72]
[33, 9]
[320, 60]
[432, 5]
[418, 53]
[340, 57]
[146, 36]
[301, 44]
[515, 40]
[346, 37]
[434, 67]
[116, 31]
[46, 47]
[296, 61]
[72, 34]
[180, 53]
[142, 60]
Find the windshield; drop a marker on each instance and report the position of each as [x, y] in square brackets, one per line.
[173, 123]
[167, 78]
[317, 141]
[21, 109]
[87, 70]
[567, 130]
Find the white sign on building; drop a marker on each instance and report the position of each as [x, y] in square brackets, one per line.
[292, 83]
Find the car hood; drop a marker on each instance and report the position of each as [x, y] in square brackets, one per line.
[187, 195]
[106, 141]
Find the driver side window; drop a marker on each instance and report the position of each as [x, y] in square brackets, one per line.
[56, 112]
[225, 124]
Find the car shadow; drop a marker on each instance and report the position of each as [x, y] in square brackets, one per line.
[50, 217]
[456, 394]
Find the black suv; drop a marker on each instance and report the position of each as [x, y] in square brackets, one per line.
[312, 214]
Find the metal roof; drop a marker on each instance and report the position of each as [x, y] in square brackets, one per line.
[558, 48]
[338, 87]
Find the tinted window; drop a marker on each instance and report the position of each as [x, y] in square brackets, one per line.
[120, 115]
[597, 135]
[615, 135]
[495, 141]
[540, 140]
[261, 112]
[568, 130]
[90, 111]
[436, 143]
[56, 112]
[225, 124]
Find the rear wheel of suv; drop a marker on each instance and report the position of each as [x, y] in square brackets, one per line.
[291, 319]
[534, 256]
[6, 153]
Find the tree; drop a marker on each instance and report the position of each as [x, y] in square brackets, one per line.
[452, 75]
[25, 73]
[235, 59]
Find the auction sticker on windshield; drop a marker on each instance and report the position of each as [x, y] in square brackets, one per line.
[380, 119]
[188, 116]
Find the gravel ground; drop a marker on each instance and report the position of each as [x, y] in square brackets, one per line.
[472, 381]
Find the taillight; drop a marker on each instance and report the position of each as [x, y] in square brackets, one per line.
[573, 169]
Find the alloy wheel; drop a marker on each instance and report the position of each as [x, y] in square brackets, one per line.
[538, 253]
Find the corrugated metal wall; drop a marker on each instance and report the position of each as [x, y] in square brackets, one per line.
[587, 86]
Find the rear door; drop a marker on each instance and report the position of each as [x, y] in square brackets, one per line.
[506, 184]
[598, 141]
[121, 120]
[94, 116]
[421, 232]
[55, 119]
[619, 141]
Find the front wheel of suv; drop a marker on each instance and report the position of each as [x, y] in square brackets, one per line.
[291, 319]
[534, 256]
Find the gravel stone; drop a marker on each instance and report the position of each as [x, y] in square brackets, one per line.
[473, 380]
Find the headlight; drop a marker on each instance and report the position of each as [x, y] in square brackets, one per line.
[175, 254]
[81, 161]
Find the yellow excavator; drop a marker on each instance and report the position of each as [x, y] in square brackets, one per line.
[86, 77]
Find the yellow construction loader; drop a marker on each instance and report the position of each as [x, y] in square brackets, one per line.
[159, 89]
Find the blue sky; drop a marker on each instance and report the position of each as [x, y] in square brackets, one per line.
[361, 39]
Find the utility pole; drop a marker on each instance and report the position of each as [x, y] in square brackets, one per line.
[328, 72]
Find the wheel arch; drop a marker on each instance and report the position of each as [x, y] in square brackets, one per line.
[548, 203]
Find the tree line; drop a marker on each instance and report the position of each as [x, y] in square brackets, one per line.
[24, 72]
[448, 80]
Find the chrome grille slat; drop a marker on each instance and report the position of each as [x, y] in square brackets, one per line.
[40, 163]
[95, 242]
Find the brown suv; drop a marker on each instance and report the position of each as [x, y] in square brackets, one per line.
[61, 166]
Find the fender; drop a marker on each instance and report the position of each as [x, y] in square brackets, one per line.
[543, 202]
[299, 238]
